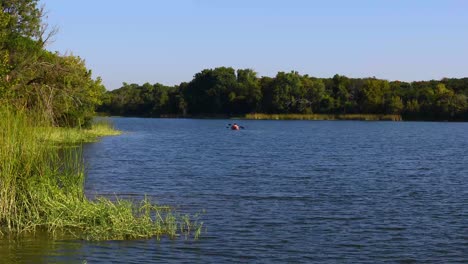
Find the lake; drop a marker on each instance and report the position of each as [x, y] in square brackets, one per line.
[281, 191]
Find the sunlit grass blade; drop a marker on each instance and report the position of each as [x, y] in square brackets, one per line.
[42, 187]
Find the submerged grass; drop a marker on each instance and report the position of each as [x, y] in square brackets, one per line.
[42, 188]
[363, 117]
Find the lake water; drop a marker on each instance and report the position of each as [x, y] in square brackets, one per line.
[282, 191]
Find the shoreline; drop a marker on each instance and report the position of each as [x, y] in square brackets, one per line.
[43, 188]
[305, 117]
[260, 116]
[331, 117]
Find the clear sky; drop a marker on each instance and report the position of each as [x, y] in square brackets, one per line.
[168, 41]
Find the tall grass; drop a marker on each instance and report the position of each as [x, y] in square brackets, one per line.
[99, 128]
[42, 187]
[364, 117]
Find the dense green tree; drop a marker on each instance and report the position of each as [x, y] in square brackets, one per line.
[394, 105]
[373, 95]
[247, 95]
[314, 94]
[145, 100]
[25, 18]
[211, 91]
[64, 89]
[287, 92]
[34, 78]
[340, 93]
[266, 84]
[223, 91]
[412, 108]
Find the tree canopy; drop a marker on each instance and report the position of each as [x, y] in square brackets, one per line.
[225, 91]
[63, 89]
[31, 77]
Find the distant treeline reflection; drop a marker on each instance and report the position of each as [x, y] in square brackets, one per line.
[226, 92]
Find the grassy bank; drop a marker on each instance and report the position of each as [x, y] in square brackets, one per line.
[74, 135]
[42, 188]
[364, 117]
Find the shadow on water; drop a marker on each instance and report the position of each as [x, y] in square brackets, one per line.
[39, 248]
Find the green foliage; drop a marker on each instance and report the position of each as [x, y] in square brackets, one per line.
[211, 91]
[287, 92]
[394, 105]
[363, 117]
[145, 100]
[41, 185]
[42, 188]
[65, 90]
[247, 95]
[34, 78]
[314, 94]
[25, 17]
[223, 91]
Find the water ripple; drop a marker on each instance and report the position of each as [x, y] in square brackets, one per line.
[281, 192]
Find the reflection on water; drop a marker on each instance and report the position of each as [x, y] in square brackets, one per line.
[39, 248]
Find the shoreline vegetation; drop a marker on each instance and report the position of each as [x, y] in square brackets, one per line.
[72, 135]
[360, 117]
[47, 103]
[227, 92]
[48, 100]
[42, 188]
[262, 116]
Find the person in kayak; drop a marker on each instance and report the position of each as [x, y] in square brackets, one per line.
[235, 127]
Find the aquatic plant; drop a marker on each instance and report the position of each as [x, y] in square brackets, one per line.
[363, 117]
[67, 135]
[42, 188]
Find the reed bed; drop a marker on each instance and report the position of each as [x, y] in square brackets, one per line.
[42, 188]
[363, 117]
[68, 135]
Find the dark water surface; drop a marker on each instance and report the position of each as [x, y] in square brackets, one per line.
[283, 191]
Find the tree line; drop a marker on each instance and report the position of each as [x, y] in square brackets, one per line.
[60, 87]
[63, 90]
[228, 92]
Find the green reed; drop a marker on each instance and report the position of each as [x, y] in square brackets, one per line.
[363, 117]
[42, 188]
[62, 135]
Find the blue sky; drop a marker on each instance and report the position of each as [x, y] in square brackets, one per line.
[169, 41]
